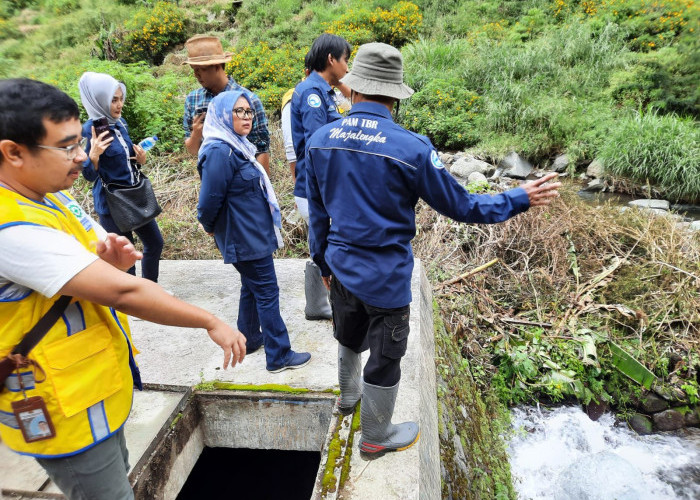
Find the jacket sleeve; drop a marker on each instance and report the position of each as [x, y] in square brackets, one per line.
[217, 171]
[319, 220]
[442, 192]
[312, 118]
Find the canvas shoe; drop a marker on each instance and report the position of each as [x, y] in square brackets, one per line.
[296, 360]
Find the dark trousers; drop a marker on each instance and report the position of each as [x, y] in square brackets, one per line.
[259, 308]
[359, 326]
[152, 245]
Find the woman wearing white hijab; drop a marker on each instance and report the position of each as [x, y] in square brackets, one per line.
[238, 206]
[110, 160]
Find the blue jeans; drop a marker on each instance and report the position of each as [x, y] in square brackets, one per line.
[99, 472]
[259, 307]
[152, 245]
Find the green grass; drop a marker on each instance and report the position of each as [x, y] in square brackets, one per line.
[658, 149]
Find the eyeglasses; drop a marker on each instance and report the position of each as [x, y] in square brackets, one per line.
[71, 151]
[243, 113]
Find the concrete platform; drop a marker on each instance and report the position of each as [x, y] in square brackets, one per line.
[184, 357]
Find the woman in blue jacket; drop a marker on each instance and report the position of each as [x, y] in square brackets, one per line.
[110, 159]
[238, 206]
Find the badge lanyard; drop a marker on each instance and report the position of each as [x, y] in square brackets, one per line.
[32, 416]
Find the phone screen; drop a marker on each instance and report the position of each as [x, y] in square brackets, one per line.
[101, 125]
[200, 110]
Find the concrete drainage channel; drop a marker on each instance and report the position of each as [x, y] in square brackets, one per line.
[223, 433]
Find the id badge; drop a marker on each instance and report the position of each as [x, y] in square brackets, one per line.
[33, 419]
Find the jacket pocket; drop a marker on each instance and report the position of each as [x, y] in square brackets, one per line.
[83, 369]
[396, 332]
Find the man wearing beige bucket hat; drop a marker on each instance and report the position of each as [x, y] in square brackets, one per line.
[365, 173]
[208, 60]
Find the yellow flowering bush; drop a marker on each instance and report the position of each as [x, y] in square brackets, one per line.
[266, 71]
[151, 33]
[446, 112]
[650, 23]
[397, 26]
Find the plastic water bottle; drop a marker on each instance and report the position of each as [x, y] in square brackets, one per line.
[148, 142]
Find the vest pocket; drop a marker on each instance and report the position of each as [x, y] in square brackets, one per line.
[83, 369]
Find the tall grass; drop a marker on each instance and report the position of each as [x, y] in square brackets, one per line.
[656, 149]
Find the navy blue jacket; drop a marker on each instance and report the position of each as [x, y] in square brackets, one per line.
[113, 165]
[232, 205]
[366, 174]
[313, 105]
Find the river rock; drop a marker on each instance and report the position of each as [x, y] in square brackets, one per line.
[601, 476]
[669, 392]
[467, 165]
[651, 204]
[514, 166]
[596, 410]
[651, 403]
[695, 225]
[669, 420]
[595, 169]
[692, 418]
[595, 186]
[447, 158]
[476, 177]
[641, 424]
[561, 163]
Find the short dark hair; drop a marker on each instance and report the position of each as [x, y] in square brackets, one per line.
[24, 104]
[337, 46]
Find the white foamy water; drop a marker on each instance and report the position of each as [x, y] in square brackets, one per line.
[561, 454]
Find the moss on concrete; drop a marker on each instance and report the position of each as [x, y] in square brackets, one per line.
[225, 386]
[472, 452]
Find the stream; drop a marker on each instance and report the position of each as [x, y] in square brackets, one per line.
[561, 454]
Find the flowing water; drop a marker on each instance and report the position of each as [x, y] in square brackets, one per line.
[561, 454]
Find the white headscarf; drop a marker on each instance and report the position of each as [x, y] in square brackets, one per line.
[218, 127]
[96, 93]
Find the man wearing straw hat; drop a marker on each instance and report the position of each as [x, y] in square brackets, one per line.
[208, 60]
[366, 174]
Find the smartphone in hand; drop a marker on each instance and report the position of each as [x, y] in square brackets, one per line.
[101, 125]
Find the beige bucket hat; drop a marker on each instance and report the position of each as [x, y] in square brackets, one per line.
[205, 50]
[378, 70]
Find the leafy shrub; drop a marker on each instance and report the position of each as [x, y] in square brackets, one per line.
[446, 112]
[662, 150]
[8, 29]
[266, 71]
[396, 27]
[15, 5]
[151, 33]
[650, 24]
[61, 7]
[665, 80]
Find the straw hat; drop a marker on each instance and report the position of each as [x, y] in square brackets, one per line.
[378, 70]
[205, 50]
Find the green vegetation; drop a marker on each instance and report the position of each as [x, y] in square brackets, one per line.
[592, 78]
[584, 304]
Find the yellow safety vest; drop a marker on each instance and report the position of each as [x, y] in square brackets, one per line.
[86, 355]
[287, 97]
